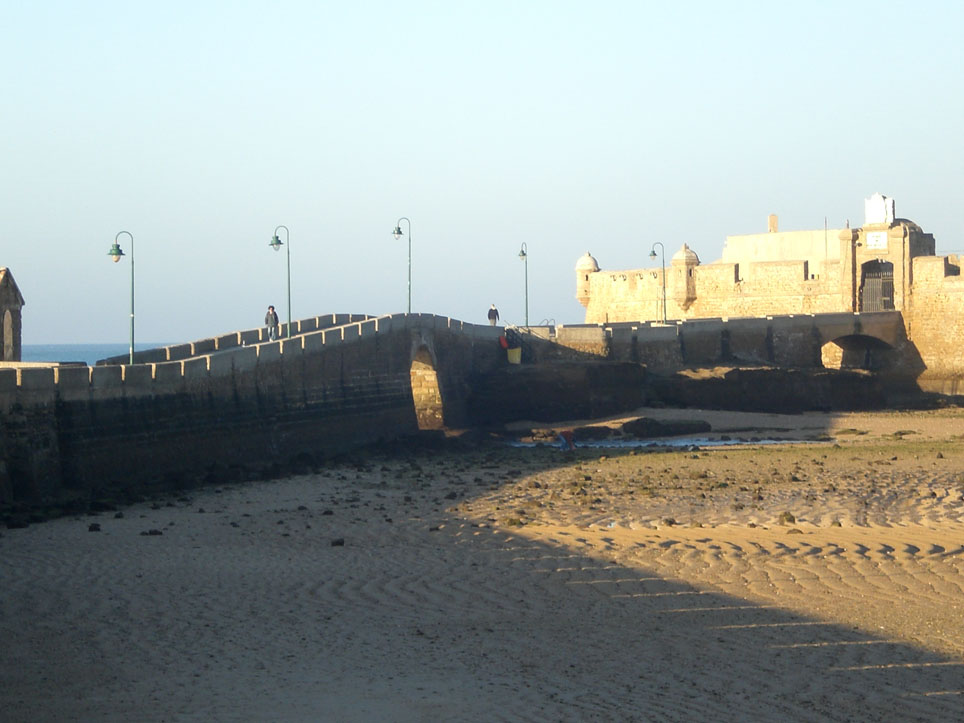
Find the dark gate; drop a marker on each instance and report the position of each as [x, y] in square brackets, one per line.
[877, 286]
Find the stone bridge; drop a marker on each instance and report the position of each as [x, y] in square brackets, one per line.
[238, 405]
[227, 405]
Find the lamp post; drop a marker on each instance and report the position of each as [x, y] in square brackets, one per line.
[662, 265]
[524, 257]
[397, 233]
[115, 253]
[276, 244]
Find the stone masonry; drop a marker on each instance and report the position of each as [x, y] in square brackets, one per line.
[11, 302]
[888, 264]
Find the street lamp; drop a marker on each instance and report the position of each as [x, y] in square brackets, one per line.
[115, 253]
[662, 264]
[397, 233]
[524, 257]
[276, 244]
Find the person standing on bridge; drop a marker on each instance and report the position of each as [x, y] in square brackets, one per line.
[271, 321]
[493, 316]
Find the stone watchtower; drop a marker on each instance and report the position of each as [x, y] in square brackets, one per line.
[683, 283]
[11, 302]
[584, 267]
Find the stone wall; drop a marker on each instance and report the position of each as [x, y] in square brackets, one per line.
[723, 290]
[11, 320]
[557, 391]
[935, 322]
[104, 431]
[747, 283]
[266, 408]
[247, 337]
[790, 341]
[927, 289]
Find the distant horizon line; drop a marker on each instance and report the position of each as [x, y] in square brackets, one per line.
[126, 345]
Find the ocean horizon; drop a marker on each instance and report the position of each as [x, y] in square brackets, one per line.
[87, 353]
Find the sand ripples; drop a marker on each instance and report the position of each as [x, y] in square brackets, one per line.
[523, 586]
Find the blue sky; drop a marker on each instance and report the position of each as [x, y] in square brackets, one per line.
[571, 126]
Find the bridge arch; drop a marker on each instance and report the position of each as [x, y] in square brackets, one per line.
[857, 351]
[426, 393]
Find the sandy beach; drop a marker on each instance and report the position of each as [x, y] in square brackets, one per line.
[818, 578]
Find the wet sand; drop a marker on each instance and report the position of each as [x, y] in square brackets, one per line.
[815, 581]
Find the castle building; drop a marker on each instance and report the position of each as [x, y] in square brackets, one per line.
[778, 272]
[11, 302]
[888, 264]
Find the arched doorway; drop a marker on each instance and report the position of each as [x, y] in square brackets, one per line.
[877, 286]
[7, 352]
[425, 391]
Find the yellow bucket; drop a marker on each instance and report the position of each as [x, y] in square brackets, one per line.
[515, 355]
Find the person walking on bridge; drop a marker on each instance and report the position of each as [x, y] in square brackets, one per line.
[271, 322]
[493, 316]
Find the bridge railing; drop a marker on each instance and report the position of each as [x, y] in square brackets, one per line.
[177, 352]
[167, 369]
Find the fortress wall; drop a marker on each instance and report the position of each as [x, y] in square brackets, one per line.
[625, 296]
[778, 274]
[722, 290]
[931, 271]
[716, 280]
[753, 298]
[811, 245]
[935, 323]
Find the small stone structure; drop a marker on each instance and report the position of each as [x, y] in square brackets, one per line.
[888, 264]
[11, 302]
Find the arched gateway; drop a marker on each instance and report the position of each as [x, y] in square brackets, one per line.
[877, 286]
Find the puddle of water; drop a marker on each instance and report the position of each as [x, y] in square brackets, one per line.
[682, 442]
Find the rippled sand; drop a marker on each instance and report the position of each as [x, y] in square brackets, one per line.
[820, 581]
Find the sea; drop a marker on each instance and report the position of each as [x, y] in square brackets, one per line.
[86, 353]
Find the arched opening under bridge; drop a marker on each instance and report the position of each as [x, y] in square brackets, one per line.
[425, 391]
[857, 351]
